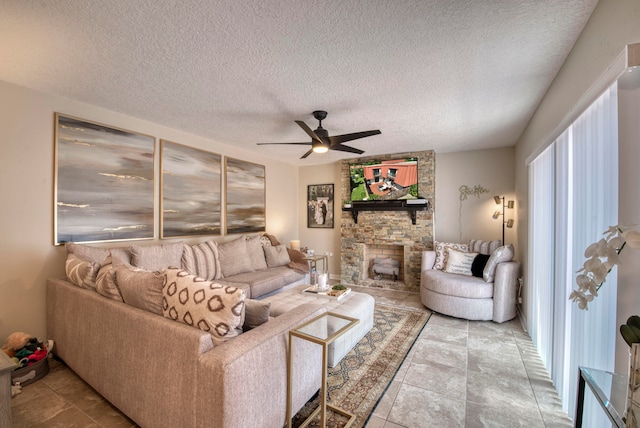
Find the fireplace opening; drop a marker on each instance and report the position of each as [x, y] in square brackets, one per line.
[384, 263]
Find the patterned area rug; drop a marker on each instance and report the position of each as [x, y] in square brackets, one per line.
[358, 382]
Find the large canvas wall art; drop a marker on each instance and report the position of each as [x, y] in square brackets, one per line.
[245, 196]
[191, 191]
[104, 182]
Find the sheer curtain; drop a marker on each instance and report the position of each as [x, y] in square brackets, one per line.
[573, 199]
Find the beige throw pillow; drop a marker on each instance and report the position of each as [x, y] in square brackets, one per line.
[106, 281]
[97, 255]
[459, 262]
[141, 288]
[277, 255]
[255, 253]
[500, 255]
[256, 313]
[233, 257]
[441, 252]
[211, 307]
[202, 260]
[157, 257]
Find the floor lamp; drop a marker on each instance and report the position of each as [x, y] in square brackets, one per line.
[505, 204]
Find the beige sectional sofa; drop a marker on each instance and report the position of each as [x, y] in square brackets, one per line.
[489, 293]
[160, 371]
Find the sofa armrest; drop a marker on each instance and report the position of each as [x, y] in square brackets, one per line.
[243, 382]
[505, 289]
[428, 260]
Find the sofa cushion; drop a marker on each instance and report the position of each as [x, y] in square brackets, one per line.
[209, 306]
[106, 280]
[98, 255]
[478, 265]
[484, 247]
[267, 280]
[255, 252]
[456, 285]
[234, 258]
[441, 252]
[500, 255]
[277, 255]
[157, 257]
[140, 288]
[202, 260]
[256, 313]
[81, 271]
[459, 262]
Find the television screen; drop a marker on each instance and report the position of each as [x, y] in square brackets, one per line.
[384, 180]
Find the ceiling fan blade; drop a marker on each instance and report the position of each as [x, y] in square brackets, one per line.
[343, 148]
[338, 139]
[297, 144]
[308, 131]
[307, 154]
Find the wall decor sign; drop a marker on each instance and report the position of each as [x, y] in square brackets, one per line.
[320, 206]
[191, 191]
[245, 196]
[103, 183]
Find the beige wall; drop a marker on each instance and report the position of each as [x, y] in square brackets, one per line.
[613, 24]
[26, 186]
[459, 220]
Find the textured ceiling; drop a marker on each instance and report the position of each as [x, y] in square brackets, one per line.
[440, 74]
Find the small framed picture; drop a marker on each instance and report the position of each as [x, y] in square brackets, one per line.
[320, 206]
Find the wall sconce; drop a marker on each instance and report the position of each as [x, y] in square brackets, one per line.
[505, 204]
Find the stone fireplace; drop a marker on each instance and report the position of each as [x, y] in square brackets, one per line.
[388, 233]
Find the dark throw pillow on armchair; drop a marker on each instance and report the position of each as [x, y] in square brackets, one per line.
[477, 267]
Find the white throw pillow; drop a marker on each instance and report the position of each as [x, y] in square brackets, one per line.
[459, 262]
[500, 255]
[211, 307]
[441, 252]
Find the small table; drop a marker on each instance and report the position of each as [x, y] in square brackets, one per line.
[315, 259]
[322, 330]
[613, 401]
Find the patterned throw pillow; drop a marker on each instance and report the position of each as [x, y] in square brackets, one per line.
[211, 307]
[459, 262]
[81, 272]
[484, 247]
[202, 260]
[106, 280]
[441, 253]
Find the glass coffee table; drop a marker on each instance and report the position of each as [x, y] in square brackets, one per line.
[322, 330]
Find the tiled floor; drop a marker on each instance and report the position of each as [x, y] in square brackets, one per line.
[458, 374]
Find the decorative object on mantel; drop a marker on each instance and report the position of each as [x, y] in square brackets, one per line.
[500, 200]
[320, 206]
[466, 191]
[103, 183]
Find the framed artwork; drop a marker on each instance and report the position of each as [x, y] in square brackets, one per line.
[320, 206]
[104, 182]
[191, 191]
[244, 196]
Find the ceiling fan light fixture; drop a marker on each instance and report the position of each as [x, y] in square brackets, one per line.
[320, 148]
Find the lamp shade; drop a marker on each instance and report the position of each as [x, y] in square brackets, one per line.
[498, 199]
[295, 245]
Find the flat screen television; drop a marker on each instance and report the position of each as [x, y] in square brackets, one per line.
[384, 180]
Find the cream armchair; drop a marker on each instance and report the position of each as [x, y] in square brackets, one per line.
[470, 297]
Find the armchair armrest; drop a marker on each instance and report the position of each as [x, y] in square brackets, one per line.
[505, 289]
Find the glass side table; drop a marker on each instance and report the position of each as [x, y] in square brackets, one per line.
[609, 389]
[322, 330]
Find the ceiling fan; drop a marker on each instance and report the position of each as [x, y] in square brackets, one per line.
[321, 142]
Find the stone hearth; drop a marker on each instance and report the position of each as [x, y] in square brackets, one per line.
[392, 229]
